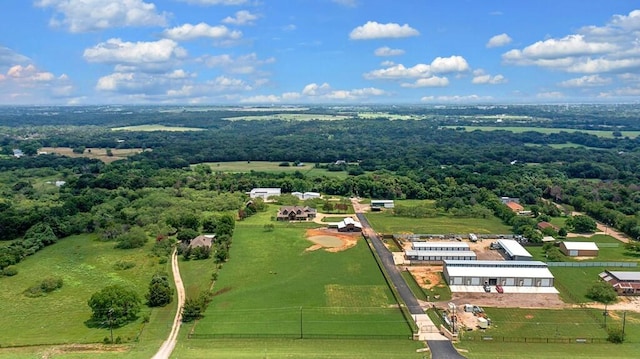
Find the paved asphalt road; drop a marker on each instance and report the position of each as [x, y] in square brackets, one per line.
[393, 272]
[443, 349]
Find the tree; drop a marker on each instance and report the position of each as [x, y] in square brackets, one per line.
[134, 238]
[191, 310]
[160, 292]
[114, 306]
[602, 292]
[582, 224]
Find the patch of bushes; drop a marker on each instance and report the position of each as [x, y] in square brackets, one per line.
[9, 271]
[123, 265]
[45, 287]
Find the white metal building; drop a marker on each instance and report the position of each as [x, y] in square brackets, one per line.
[306, 195]
[514, 250]
[440, 246]
[382, 203]
[579, 249]
[531, 274]
[437, 257]
[264, 193]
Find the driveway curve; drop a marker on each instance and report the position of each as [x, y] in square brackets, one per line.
[167, 347]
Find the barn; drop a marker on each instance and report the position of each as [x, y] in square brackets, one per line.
[514, 251]
[440, 246]
[513, 276]
[579, 249]
[382, 203]
[438, 257]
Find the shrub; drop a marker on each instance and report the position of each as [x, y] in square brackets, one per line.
[47, 285]
[615, 335]
[9, 271]
[123, 265]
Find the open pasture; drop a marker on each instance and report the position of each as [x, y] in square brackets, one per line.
[307, 169]
[386, 222]
[85, 266]
[97, 153]
[274, 286]
[290, 117]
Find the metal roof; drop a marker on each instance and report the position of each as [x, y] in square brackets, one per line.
[499, 264]
[625, 276]
[513, 248]
[580, 246]
[499, 272]
[420, 245]
[440, 253]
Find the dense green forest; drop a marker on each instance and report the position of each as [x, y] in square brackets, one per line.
[381, 157]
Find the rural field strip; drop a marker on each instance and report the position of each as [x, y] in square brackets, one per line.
[167, 347]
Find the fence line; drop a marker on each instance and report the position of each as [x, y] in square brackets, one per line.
[486, 338]
[295, 336]
[592, 264]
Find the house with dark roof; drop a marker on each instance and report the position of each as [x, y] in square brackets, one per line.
[624, 283]
[544, 225]
[204, 240]
[296, 213]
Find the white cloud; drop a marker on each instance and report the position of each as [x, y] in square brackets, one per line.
[245, 64]
[456, 98]
[261, 99]
[433, 81]
[216, 2]
[190, 32]
[29, 73]
[243, 17]
[318, 94]
[551, 95]
[387, 63]
[9, 57]
[347, 3]
[135, 54]
[92, 15]
[481, 78]
[586, 81]
[374, 30]
[499, 40]
[28, 85]
[314, 89]
[611, 48]
[440, 65]
[387, 51]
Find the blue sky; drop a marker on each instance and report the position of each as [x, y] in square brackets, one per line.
[81, 52]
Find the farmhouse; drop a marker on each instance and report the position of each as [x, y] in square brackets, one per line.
[264, 193]
[579, 249]
[513, 276]
[625, 283]
[204, 240]
[381, 203]
[296, 213]
[514, 250]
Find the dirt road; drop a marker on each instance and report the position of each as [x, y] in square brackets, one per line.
[167, 347]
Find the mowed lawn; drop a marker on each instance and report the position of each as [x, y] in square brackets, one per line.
[386, 222]
[307, 169]
[86, 266]
[271, 285]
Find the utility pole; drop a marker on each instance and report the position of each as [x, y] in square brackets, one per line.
[624, 321]
[605, 314]
[301, 335]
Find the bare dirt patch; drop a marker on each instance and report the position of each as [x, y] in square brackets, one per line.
[84, 349]
[426, 276]
[509, 300]
[331, 240]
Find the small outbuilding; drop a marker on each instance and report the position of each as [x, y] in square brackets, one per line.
[382, 203]
[265, 193]
[514, 251]
[349, 225]
[579, 249]
[513, 276]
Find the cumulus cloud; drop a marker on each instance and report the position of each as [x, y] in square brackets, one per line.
[135, 54]
[613, 47]
[243, 17]
[92, 15]
[433, 81]
[387, 51]
[374, 30]
[190, 32]
[586, 81]
[9, 57]
[550, 95]
[318, 93]
[440, 65]
[499, 40]
[216, 2]
[28, 84]
[481, 78]
[456, 98]
[244, 64]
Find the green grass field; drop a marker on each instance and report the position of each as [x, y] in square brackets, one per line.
[547, 130]
[149, 128]
[307, 169]
[386, 222]
[290, 117]
[271, 282]
[86, 266]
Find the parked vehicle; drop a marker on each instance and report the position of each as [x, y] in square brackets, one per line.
[499, 288]
[487, 288]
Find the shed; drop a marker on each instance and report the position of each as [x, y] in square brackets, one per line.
[265, 193]
[440, 246]
[437, 257]
[514, 250]
[382, 203]
[579, 249]
[471, 275]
